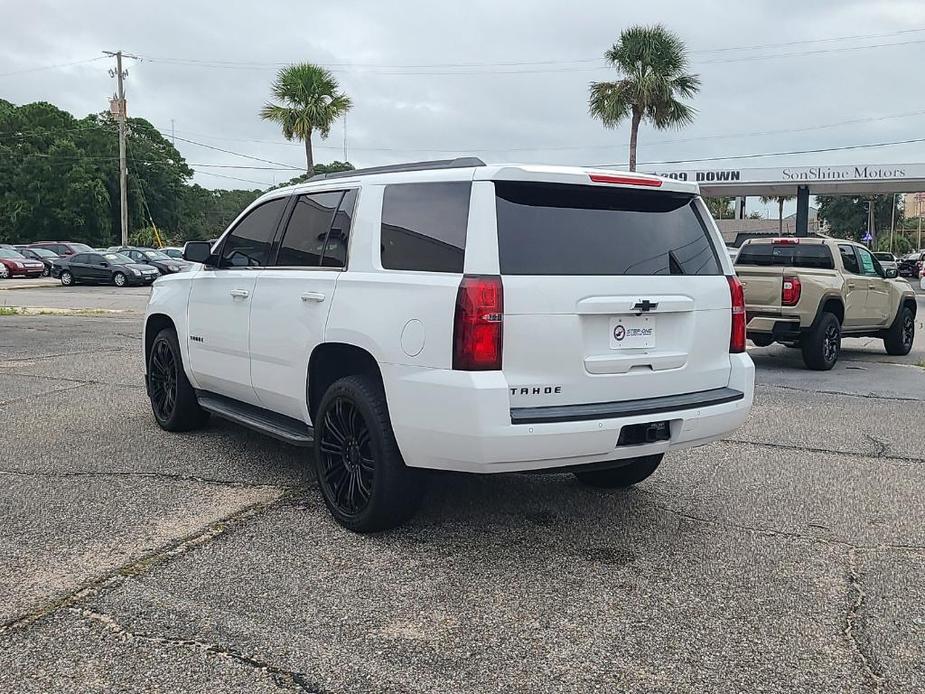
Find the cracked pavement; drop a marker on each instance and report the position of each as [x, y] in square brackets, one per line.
[785, 558]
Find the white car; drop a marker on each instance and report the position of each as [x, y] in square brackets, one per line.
[457, 316]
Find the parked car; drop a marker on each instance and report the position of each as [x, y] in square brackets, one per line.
[148, 256]
[15, 264]
[62, 248]
[732, 252]
[102, 268]
[811, 292]
[911, 265]
[888, 261]
[521, 334]
[172, 252]
[45, 256]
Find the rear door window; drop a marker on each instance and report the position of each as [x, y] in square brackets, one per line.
[790, 255]
[556, 229]
[424, 226]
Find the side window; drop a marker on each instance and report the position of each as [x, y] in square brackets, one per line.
[849, 259]
[307, 230]
[248, 244]
[79, 258]
[870, 266]
[424, 226]
[93, 258]
[335, 250]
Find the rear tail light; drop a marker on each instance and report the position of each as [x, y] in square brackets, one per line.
[478, 324]
[737, 335]
[790, 291]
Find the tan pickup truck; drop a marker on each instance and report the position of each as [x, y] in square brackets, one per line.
[808, 293]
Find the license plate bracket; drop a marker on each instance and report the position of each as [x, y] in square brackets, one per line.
[632, 332]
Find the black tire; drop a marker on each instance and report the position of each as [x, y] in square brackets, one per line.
[118, 279]
[363, 479]
[900, 336]
[67, 279]
[821, 345]
[635, 471]
[46, 272]
[173, 400]
[762, 340]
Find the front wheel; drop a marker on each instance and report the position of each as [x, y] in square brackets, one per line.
[822, 344]
[67, 279]
[173, 399]
[363, 479]
[118, 279]
[899, 337]
[634, 471]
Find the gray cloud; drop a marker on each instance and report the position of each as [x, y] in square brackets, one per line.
[539, 114]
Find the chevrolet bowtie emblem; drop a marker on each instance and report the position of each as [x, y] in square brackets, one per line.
[645, 305]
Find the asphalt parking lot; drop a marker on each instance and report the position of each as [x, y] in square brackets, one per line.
[788, 557]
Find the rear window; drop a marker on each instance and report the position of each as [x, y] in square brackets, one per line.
[792, 255]
[556, 229]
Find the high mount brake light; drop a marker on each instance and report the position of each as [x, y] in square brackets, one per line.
[626, 180]
[737, 333]
[478, 324]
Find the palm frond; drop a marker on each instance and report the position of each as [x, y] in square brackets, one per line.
[309, 99]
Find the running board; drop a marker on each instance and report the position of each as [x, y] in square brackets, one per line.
[278, 426]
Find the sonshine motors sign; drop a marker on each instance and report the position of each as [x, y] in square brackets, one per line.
[798, 174]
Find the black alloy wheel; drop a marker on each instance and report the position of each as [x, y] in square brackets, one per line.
[162, 381]
[347, 460]
[908, 329]
[831, 343]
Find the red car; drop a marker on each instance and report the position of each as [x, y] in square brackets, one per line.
[13, 263]
[62, 248]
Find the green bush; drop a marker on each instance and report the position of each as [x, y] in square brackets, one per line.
[901, 244]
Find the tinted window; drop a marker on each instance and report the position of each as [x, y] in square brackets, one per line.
[79, 258]
[248, 244]
[424, 226]
[807, 255]
[79, 247]
[335, 250]
[554, 229]
[869, 265]
[849, 259]
[307, 231]
[884, 256]
[93, 258]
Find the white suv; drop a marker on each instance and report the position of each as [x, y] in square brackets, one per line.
[457, 316]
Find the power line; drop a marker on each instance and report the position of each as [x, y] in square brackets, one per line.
[777, 154]
[51, 67]
[234, 178]
[237, 154]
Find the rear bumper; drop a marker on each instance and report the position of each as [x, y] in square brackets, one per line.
[462, 421]
[780, 328]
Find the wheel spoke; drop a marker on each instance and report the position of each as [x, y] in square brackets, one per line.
[332, 429]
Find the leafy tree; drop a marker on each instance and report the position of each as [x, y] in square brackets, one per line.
[333, 167]
[846, 215]
[651, 64]
[720, 208]
[780, 200]
[901, 244]
[204, 213]
[311, 101]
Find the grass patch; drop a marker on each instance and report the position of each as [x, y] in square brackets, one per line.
[29, 311]
[8, 311]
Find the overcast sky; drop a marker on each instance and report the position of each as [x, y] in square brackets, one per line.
[503, 80]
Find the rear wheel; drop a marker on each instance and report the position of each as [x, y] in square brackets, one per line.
[899, 337]
[363, 479]
[118, 279]
[67, 279]
[46, 272]
[626, 475]
[822, 344]
[4, 272]
[173, 399]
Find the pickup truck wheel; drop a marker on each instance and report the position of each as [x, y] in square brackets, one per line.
[173, 399]
[762, 340]
[363, 479]
[822, 344]
[899, 337]
[624, 476]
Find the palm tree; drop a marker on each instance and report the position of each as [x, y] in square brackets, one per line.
[310, 101]
[781, 199]
[651, 64]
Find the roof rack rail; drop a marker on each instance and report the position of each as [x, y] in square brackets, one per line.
[457, 163]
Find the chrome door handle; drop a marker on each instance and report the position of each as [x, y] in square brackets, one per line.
[313, 296]
[243, 293]
[851, 285]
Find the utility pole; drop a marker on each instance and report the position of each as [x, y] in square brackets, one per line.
[117, 108]
[893, 223]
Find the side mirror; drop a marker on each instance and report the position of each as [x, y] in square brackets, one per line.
[198, 252]
[891, 273]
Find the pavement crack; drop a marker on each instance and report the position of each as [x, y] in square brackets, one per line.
[166, 476]
[871, 675]
[32, 396]
[865, 396]
[882, 446]
[291, 680]
[146, 562]
[830, 451]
